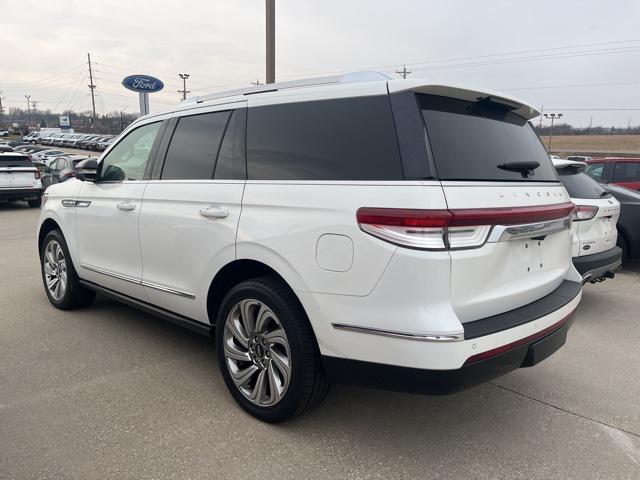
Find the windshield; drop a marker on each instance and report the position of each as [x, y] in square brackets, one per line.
[483, 141]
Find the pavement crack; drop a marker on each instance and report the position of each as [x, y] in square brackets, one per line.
[584, 417]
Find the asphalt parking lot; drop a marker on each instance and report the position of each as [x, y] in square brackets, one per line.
[110, 392]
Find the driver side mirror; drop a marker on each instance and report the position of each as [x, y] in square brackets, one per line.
[87, 170]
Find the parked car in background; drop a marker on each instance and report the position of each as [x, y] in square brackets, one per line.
[47, 156]
[4, 133]
[93, 143]
[19, 179]
[629, 221]
[61, 169]
[554, 157]
[578, 158]
[621, 171]
[30, 149]
[104, 144]
[595, 253]
[84, 142]
[6, 148]
[328, 236]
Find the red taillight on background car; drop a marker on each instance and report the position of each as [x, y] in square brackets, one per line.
[584, 212]
[37, 175]
[450, 229]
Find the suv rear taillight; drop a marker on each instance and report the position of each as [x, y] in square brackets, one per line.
[450, 229]
[36, 175]
[584, 212]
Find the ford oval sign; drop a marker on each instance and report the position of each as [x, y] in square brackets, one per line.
[143, 83]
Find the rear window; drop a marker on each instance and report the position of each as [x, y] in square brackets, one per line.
[14, 161]
[581, 185]
[595, 170]
[340, 139]
[469, 140]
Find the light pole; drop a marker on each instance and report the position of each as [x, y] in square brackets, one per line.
[28, 109]
[552, 116]
[271, 41]
[121, 120]
[184, 90]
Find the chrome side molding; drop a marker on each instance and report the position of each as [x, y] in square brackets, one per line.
[137, 281]
[403, 335]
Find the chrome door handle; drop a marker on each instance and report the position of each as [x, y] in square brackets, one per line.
[214, 212]
[126, 206]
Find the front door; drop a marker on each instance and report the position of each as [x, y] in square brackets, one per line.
[107, 214]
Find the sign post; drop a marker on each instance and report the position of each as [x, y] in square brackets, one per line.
[143, 85]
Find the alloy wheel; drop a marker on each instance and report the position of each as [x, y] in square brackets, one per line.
[55, 270]
[257, 352]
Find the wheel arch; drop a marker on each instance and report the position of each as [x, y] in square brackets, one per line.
[235, 272]
[47, 226]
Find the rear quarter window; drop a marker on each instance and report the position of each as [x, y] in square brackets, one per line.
[470, 140]
[338, 139]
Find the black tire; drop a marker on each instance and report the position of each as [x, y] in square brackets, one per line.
[35, 203]
[308, 385]
[624, 245]
[75, 295]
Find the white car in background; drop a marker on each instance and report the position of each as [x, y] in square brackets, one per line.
[595, 254]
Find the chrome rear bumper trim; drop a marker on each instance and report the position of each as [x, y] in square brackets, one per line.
[401, 335]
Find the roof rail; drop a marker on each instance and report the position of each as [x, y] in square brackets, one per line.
[354, 77]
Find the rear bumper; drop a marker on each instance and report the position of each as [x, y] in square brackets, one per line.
[597, 265]
[20, 193]
[442, 382]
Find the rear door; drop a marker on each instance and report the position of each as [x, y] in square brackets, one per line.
[191, 207]
[517, 249]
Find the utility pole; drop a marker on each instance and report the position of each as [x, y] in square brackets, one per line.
[404, 72]
[92, 88]
[540, 123]
[184, 90]
[1, 107]
[590, 125]
[271, 41]
[34, 104]
[552, 116]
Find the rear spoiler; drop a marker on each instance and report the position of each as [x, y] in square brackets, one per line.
[516, 105]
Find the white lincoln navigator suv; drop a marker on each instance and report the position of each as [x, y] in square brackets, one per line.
[358, 229]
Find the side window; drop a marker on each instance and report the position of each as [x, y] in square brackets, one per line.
[54, 165]
[231, 159]
[194, 147]
[341, 139]
[626, 172]
[594, 170]
[128, 159]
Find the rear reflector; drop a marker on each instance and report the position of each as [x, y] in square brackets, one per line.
[450, 229]
[518, 343]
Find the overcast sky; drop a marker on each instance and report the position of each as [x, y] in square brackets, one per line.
[518, 47]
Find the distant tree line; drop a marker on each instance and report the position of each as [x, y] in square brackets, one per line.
[81, 122]
[566, 129]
